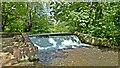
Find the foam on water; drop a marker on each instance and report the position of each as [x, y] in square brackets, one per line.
[52, 41]
[57, 42]
[49, 45]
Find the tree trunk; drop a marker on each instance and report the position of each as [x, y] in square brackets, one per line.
[28, 23]
[4, 17]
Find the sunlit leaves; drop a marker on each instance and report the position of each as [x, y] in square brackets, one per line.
[97, 19]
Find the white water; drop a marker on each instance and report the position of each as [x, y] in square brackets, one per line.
[51, 40]
[57, 42]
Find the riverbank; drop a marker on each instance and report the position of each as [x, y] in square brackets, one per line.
[70, 57]
[12, 57]
[86, 57]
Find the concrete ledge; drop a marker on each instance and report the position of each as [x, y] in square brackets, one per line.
[95, 41]
[25, 37]
[9, 34]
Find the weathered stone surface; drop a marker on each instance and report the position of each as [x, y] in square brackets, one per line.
[18, 49]
[94, 40]
[6, 58]
[24, 51]
[18, 38]
[9, 34]
[25, 37]
[8, 49]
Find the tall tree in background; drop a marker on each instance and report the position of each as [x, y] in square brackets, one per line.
[100, 19]
[28, 20]
[23, 17]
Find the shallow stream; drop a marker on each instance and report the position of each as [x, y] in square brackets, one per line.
[52, 46]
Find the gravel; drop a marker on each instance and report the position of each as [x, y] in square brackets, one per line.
[86, 57]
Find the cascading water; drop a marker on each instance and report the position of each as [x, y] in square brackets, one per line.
[49, 44]
[57, 42]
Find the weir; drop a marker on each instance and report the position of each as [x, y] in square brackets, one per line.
[56, 41]
[51, 43]
[54, 49]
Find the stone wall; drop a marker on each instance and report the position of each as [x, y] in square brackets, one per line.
[26, 49]
[94, 40]
[18, 47]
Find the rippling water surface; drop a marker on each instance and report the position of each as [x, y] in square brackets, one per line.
[49, 45]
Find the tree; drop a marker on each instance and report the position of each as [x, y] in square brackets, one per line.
[99, 19]
[21, 16]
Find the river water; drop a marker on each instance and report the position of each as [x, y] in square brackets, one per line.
[50, 45]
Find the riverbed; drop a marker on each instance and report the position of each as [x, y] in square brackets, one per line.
[84, 57]
[68, 50]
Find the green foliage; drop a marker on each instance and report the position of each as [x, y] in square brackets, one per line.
[97, 19]
[59, 27]
[13, 16]
[40, 24]
[23, 16]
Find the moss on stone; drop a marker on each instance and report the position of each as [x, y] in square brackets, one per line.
[94, 40]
